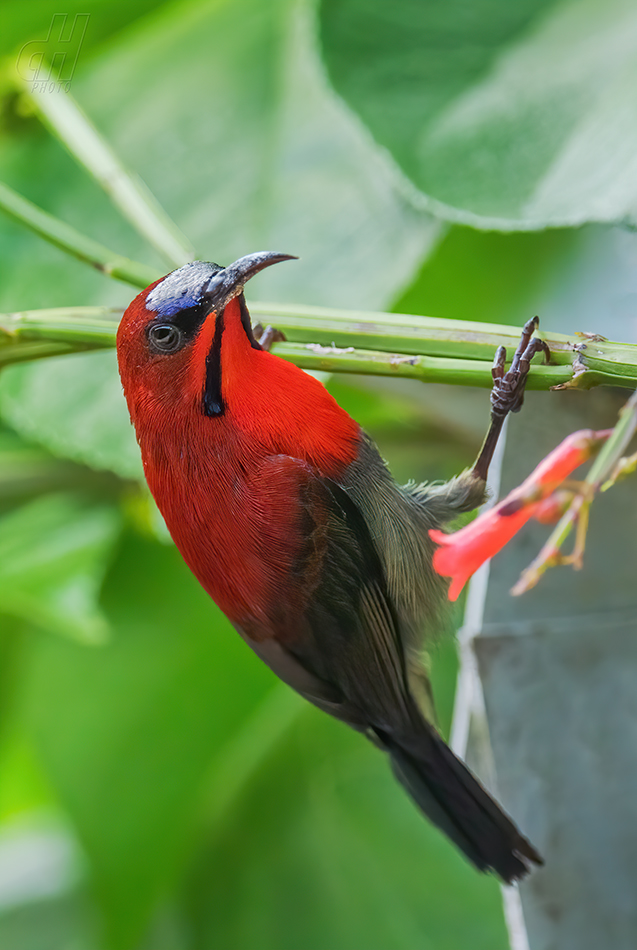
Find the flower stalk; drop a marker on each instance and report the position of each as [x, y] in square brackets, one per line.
[460, 554]
[605, 467]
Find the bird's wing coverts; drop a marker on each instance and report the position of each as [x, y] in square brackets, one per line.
[336, 637]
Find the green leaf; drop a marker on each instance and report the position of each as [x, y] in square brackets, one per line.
[57, 924]
[127, 733]
[505, 277]
[31, 22]
[324, 849]
[223, 110]
[73, 405]
[27, 470]
[508, 115]
[53, 554]
[276, 163]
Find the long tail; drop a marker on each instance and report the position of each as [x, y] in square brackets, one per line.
[453, 799]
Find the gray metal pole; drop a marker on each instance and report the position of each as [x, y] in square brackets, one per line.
[547, 699]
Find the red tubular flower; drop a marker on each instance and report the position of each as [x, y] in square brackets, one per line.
[461, 553]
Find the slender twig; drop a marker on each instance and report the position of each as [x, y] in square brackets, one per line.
[625, 466]
[74, 242]
[577, 513]
[128, 193]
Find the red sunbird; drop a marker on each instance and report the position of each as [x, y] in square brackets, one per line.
[286, 513]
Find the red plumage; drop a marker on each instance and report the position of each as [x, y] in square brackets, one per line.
[221, 500]
[287, 515]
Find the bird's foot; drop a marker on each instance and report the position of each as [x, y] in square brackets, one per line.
[268, 336]
[507, 394]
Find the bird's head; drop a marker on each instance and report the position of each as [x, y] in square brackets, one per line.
[169, 340]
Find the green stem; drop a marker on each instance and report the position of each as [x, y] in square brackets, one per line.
[615, 446]
[128, 193]
[448, 351]
[603, 466]
[384, 339]
[598, 363]
[74, 242]
[428, 369]
[27, 352]
[430, 350]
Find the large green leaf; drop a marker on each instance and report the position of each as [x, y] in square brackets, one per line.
[75, 406]
[510, 115]
[127, 732]
[54, 924]
[492, 277]
[31, 23]
[324, 849]
[223, 110]
[53, 555]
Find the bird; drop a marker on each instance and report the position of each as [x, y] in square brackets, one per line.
[284, 510]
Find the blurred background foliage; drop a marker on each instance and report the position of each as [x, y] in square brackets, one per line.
[159, 790]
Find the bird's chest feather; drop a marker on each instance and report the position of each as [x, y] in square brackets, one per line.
[241, 519]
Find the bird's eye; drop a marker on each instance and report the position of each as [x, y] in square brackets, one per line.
[165, 338]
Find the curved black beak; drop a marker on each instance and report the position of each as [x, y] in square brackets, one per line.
[230, 281]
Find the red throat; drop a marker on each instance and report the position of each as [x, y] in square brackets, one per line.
[208, 473]
[276, 404]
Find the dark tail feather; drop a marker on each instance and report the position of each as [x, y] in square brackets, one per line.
[453, 799]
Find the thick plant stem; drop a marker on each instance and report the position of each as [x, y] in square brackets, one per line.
[428, 369]
[589, 363]
[445, 351]
[346, 340]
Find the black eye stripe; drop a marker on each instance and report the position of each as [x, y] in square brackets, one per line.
[191, 319]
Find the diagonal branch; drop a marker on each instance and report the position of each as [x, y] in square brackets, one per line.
[74, 242]
[62, 115]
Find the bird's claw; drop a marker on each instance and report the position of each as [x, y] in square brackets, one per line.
[268, 336]
[507, 394]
